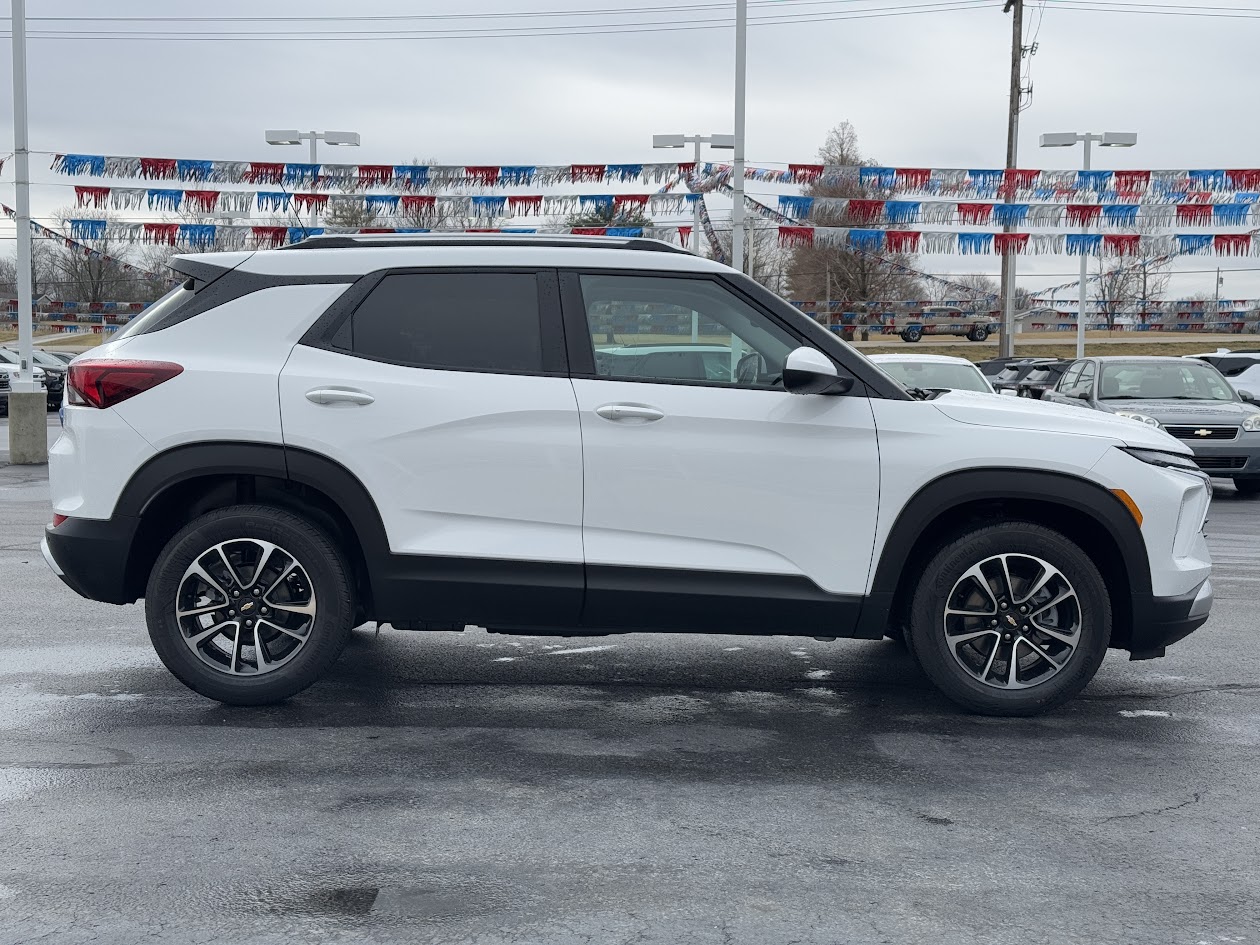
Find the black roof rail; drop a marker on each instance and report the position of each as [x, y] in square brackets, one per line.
[358, 241]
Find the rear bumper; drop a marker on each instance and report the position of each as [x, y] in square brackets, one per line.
[90, 556]
[1170, 619]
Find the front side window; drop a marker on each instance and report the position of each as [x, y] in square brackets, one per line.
[684, 330]
[466, 321]
[1085, 383]
[1068, 380]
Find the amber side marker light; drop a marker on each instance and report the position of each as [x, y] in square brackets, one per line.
[1129, 504]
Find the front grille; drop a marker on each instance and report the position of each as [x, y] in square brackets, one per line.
[1213, 433]
[4, 380]
[1221, 462]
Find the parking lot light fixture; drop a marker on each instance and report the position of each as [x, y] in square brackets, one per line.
[290, 136]
[1066, 139]
[723, 142]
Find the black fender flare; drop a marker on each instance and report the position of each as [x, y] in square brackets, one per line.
[233, 458]
[1014, 484]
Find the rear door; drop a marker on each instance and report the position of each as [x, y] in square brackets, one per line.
[445, 392]
[709, 490]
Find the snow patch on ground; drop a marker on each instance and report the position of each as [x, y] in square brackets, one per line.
[503, 659]
[1145, 714]
[818, 674]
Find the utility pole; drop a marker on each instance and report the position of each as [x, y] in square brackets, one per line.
[1218, 289]
[741, 75]
[1006, 347]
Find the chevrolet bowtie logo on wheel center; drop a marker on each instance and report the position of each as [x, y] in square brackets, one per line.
[1012, 621]
[1202, 432]
[247, 607]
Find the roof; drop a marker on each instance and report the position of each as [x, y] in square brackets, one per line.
[921, 358]
[357, 255]
[1138, 358]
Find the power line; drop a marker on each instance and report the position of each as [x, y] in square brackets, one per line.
[504, 32]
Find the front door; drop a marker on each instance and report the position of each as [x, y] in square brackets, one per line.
[714, 499]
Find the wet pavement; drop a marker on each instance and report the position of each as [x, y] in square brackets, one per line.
[470, 788]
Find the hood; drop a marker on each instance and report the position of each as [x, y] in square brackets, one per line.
[1187, 411]
[1023, 413]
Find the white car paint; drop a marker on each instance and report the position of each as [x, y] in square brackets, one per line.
[512, 466]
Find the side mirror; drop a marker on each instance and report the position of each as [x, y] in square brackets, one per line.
[807, 371]
[1080, 394]
[1248, 396]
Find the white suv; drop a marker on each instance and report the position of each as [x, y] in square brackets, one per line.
[420, 431]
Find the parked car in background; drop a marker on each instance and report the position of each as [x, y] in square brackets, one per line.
[1187, 398]
[995, 366]
[8, 374]
[699, 362]
[1042, 377]
[933, 372]
[1240, 368]
[1007, 380]
[944, 320]
[54, 371]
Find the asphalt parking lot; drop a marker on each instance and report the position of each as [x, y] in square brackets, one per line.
[470, 788]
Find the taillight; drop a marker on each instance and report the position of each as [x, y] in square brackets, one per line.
[58, 519]
[103, 384]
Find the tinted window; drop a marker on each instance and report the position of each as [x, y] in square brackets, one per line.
[687, 330]
[158, 310]
[484, 321]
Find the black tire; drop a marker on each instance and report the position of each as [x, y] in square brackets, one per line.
[1247, 487]
[978, 333]
[911, 334]
[330, 582]
[947, 568]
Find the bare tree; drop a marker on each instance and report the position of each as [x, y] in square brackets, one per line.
[837, 273]
[1128, 283]
[90, 277]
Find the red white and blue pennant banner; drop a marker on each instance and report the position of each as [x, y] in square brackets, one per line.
[38, 229]
[416, 205]
[1174, 185]
[401, 177]
[1023, 244]
[1239, 212]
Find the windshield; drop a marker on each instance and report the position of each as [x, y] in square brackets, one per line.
[1163, 381]
[927, 375]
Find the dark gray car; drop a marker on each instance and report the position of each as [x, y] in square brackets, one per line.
[1189, 399]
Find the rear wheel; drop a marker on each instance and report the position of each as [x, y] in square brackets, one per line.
[1247, 486]
[912, 334]
[249, 604]
[1013, 619]
[978, 333]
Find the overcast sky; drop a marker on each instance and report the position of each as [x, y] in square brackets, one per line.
[927, 90]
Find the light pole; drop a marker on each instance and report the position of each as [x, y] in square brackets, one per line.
[341, 138]
[1108, 139]
[679, 141]
[741, 75]
[28, 429]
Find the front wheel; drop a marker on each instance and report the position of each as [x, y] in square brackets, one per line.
[1248, 487]
[249, 604]
[978, 333]
[1013, 619]
[911, 334]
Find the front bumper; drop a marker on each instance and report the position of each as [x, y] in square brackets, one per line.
[1168, 620]
[1226, 458]
[90, 556]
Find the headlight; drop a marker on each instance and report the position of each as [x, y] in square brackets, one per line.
[1167, 460]
[1139, 417]
[1252, 423]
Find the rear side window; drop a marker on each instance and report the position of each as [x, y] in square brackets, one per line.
[158, 310]
[484, 321]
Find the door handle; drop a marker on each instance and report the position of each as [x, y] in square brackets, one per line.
[636, 412]
[336, 395]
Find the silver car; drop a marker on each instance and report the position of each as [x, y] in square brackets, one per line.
[1187, 398]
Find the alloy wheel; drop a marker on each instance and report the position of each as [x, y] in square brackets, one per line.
[1012, 621]
[245, 607]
